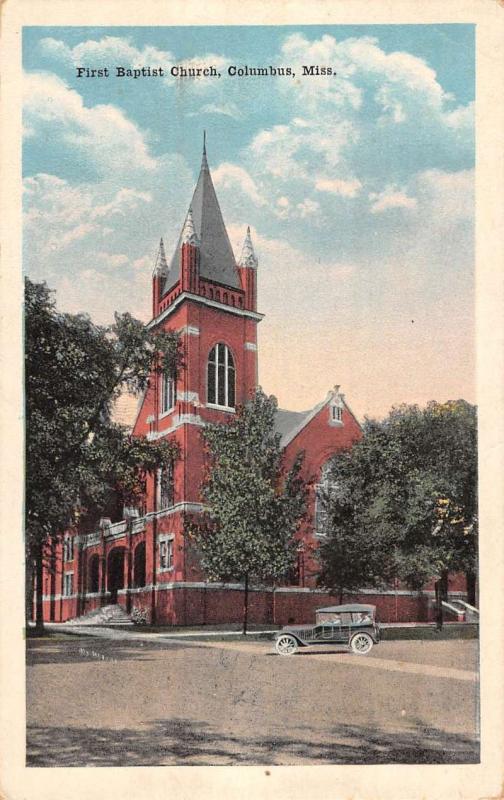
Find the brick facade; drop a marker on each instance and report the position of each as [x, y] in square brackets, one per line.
[145, 562]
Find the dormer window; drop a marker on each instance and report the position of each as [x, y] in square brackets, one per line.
[336, 413]
[336, 407]
[221, 378]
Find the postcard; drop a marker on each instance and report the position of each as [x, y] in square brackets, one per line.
[252, 400]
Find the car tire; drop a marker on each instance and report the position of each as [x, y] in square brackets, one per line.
[286, 645]
[361, 643]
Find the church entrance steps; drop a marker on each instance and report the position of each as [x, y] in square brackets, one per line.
[107, 615]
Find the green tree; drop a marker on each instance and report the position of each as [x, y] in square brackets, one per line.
[404, 501]
[256, 505]
[75, 455]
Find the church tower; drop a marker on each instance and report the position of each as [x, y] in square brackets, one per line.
[211, 301]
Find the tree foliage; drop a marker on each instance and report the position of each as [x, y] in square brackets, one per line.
[256, 505]
[403, 501]
[75, 455]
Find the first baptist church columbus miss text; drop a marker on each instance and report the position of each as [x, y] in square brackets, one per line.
[178, 71]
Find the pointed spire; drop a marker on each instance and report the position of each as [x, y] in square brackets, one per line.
[248, 257]
[161, 267]
[204, 162]
[189, 235]
[217, 260]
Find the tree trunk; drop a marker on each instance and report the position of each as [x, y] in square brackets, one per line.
[39, 608]
[439, 604]
[245, 604]
[444, 584]
[471, 587]
[341, 596]
[29, 591]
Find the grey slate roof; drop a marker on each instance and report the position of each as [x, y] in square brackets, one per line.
[217, 261]
[287, 421]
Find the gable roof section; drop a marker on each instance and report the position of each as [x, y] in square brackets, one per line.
[217, 261]
[287, 421]
[290, 423]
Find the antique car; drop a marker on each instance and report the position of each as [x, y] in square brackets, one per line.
[353, 624]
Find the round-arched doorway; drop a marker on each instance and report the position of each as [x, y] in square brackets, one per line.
[139, 565]
[115, 572]
[94, 574]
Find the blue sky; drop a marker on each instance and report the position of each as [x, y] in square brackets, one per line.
[358, 188]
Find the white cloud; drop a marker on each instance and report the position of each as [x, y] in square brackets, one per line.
[282, 207]
[294, 151]
[58, 214]
[307, 207]
[398, 68]
[226, 109]
[345, 188]
[102, 133]
[461, 117]
[112, 51]
[230, 176]
[448, 194]
[144, 263]
[123, 202]
[113, 259]
[391, 197]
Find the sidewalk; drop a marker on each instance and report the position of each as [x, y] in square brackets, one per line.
[390, 631]
[124, 632]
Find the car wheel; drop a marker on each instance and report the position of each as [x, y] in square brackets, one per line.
[286, 645]
[361, 643]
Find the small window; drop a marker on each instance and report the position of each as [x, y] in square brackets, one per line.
[166, 554]
[67, 584]
[221, 377]
[336, 413]
[168, 385]
[68, 549]
[166, 487]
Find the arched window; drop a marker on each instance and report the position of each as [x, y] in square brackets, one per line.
[165, 487]
[324, 490]
[168, 386]
[221, 377]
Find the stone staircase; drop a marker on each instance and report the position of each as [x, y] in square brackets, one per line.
[107, 615]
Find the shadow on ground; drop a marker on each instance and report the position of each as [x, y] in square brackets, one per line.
[90, 648]
[186, 742]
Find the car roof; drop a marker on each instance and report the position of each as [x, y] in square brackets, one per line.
[348, 607]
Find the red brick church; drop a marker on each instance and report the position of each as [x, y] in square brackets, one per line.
[143, 562]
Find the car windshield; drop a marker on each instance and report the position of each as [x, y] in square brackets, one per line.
[362, 616]
[330, 618]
